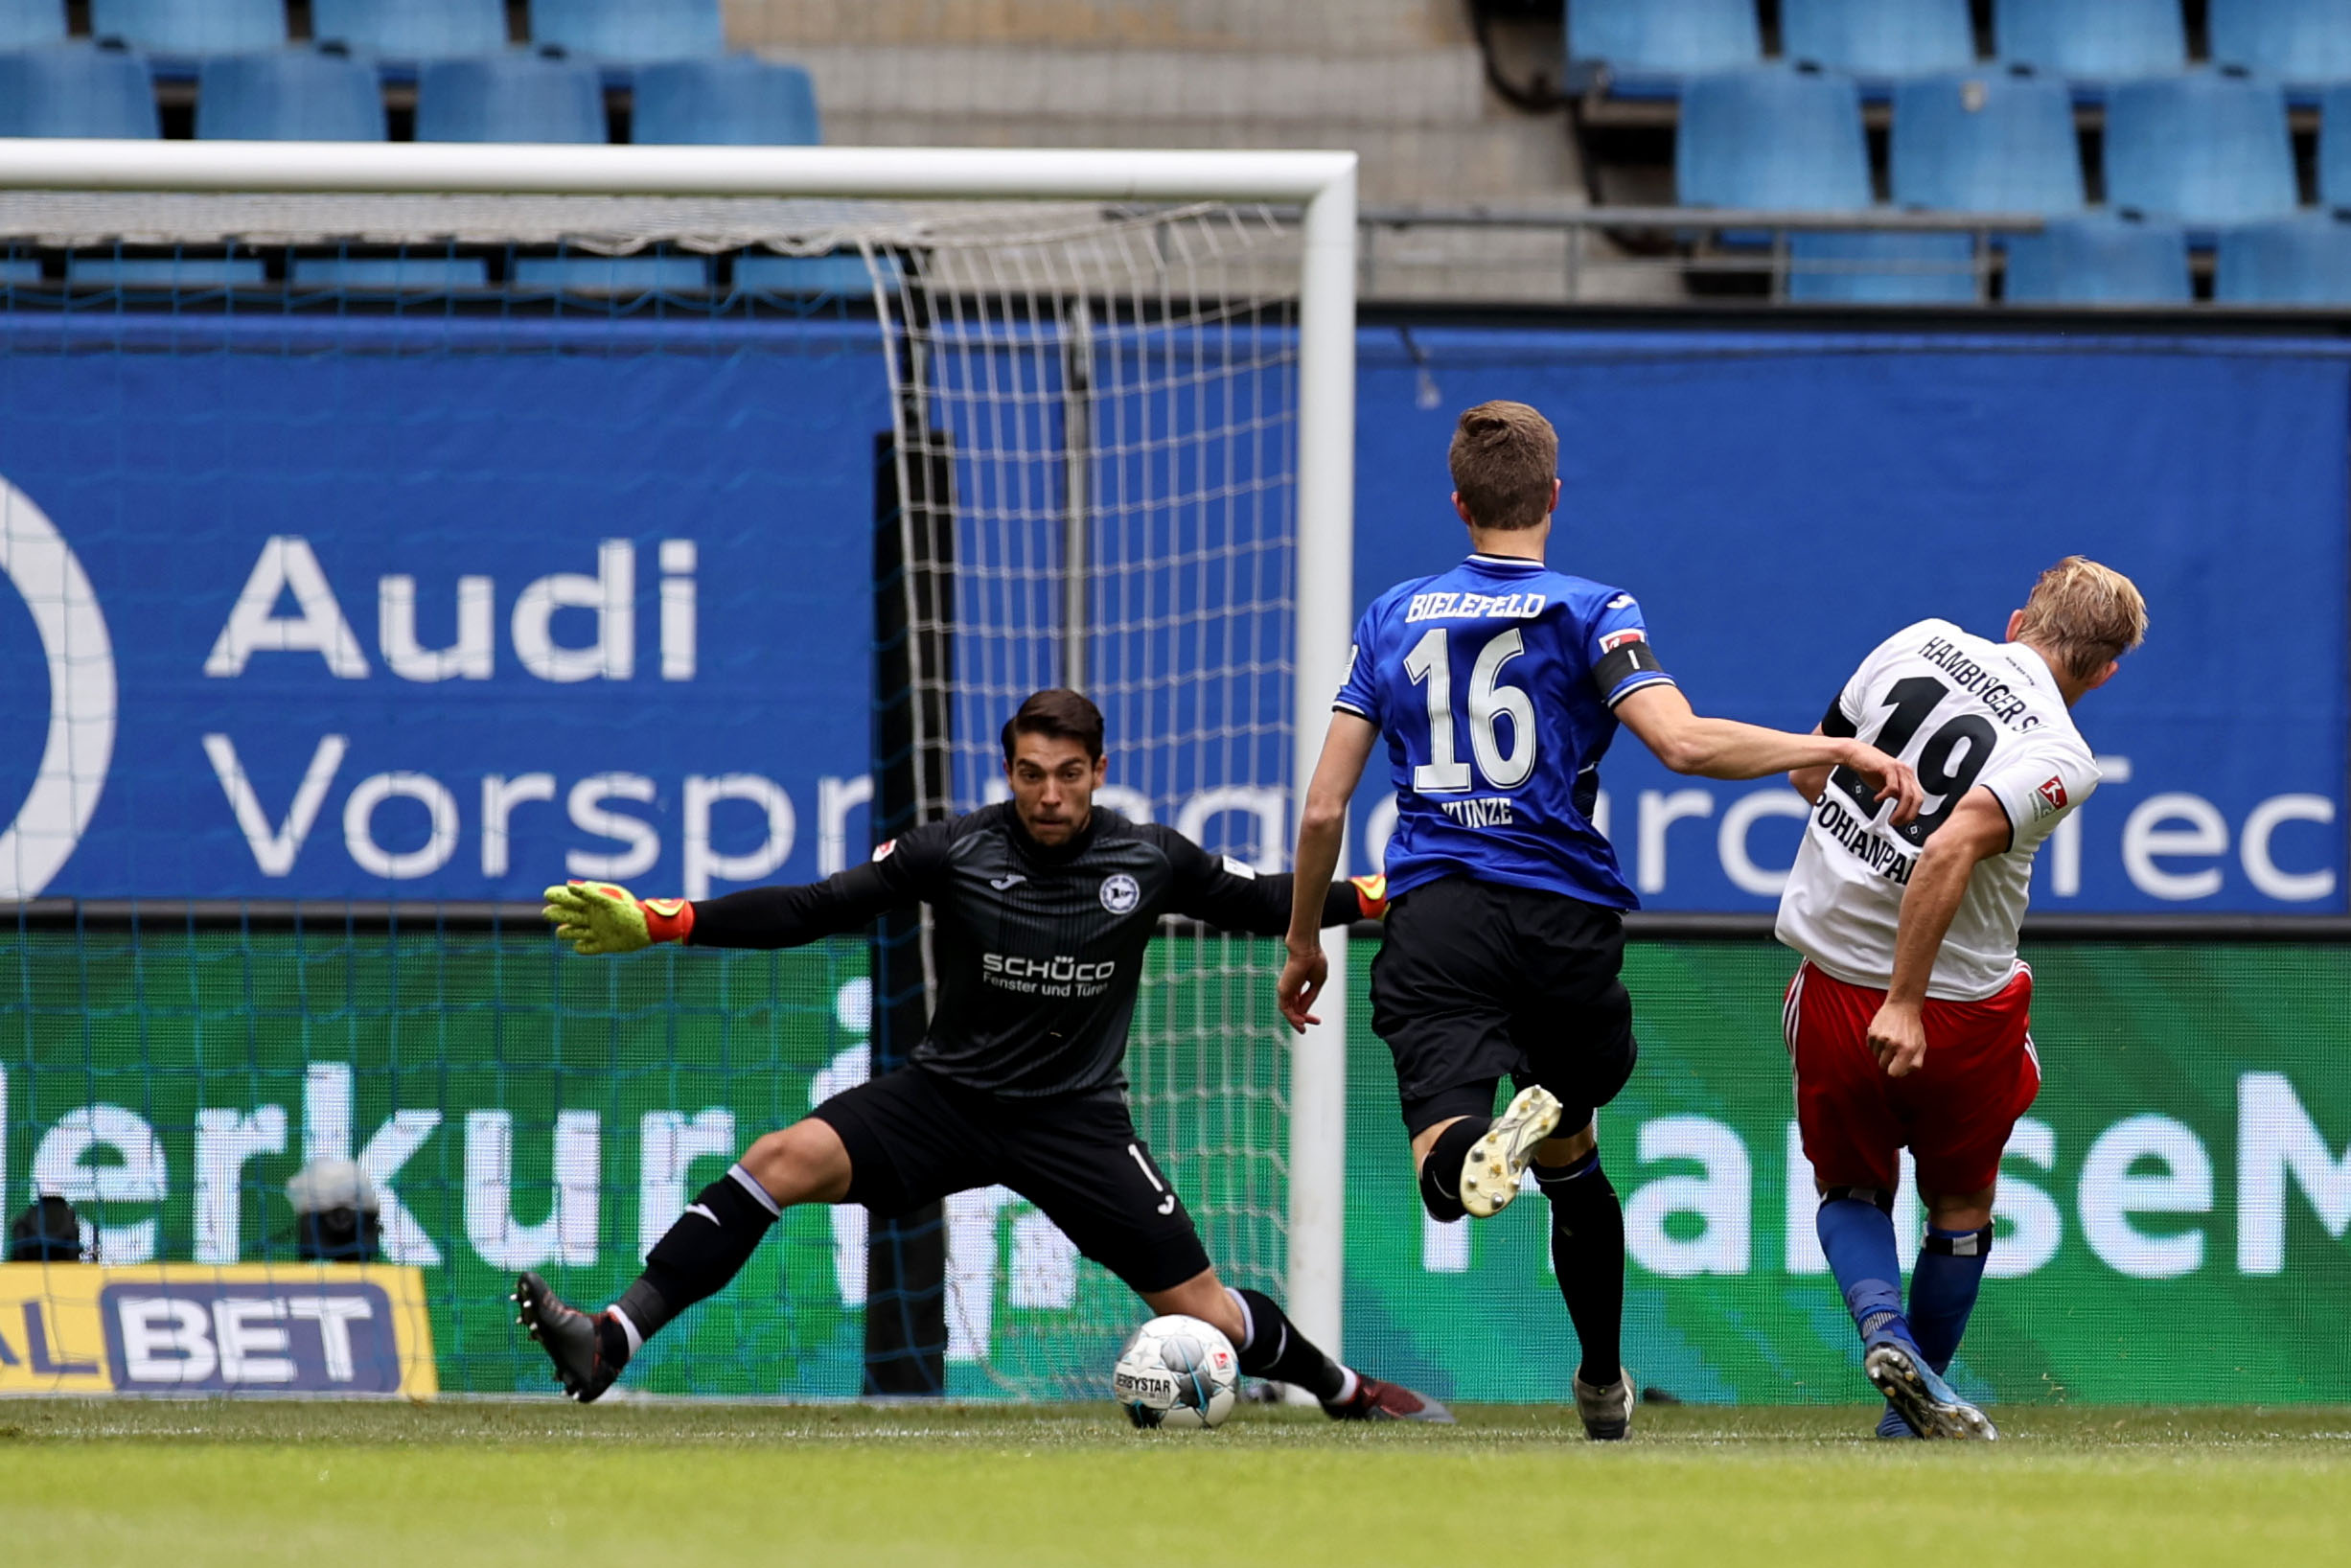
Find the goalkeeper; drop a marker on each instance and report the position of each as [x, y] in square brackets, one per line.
[1043, 907]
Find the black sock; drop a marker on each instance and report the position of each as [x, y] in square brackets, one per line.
[1276, 1351]
[695, 1258]
[1587, 1249]
[1440, 1173]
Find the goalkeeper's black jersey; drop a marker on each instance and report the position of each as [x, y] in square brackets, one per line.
[1038, 950]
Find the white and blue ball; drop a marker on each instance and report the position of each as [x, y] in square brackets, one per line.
[1177, 1372]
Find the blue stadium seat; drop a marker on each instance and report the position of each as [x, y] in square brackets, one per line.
[1773, 136]
[77, 89]
[294, 95]
[191, 27]
[2296, 260]
[20, 272]
[736, 101]
[841, 273]
[412, 29]
[391, 274]
[1667, 37]
[1999, 141]
[1882, 269]
[2100, 40]
[2205, 147]
[173, 273]
[1879, 37]
[509, 98]
[2334, 147]
[2106, 259]
[630, 30]
[2294, 40]
[582, 274]
[24, 23]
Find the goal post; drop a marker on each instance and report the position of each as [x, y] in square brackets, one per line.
[1320, 184]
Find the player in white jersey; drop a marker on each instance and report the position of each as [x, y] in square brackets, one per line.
[1908, 1020]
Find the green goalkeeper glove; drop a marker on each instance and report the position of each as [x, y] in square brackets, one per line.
[600, 917]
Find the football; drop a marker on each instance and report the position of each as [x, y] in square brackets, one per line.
[1177, 1372]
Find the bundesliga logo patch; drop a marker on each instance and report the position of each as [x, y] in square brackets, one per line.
[2049, 797]
[1614, 640]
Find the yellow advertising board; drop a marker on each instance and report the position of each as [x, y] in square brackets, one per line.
[259, 1328]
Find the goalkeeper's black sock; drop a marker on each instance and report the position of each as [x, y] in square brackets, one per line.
[695, 1258]
[1587, 1249]
[1440, 1173]
[1272, 1347]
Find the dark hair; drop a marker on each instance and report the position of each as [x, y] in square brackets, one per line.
[1504, 460]
[1060, 713]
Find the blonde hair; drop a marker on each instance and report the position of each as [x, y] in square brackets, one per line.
[1505, 459]
[2084, 617]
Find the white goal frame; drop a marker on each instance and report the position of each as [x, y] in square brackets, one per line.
[1323, 183]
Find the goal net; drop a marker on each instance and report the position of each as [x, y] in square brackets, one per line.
[834, 479]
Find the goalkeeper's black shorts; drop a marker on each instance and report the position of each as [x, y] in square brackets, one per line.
[915, 1136]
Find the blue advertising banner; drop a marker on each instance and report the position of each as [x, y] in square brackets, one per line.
[429, 608]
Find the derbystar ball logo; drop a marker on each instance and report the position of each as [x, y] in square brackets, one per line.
[48, 826]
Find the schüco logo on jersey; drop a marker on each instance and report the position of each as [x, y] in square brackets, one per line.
[45, 828]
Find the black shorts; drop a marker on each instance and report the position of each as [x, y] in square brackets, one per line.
[1476, 982]
[915, 1136]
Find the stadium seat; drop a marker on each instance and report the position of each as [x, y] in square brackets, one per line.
[738, 101]
[1882, 269]
[2100, 40]
[1998, 141]
[392, 274]
[1879, 37]
[25, 23]
[613, 275]
[77, 89]
[2205, 147]
[412, 29]
[2334, 147]
[1774, 136]
[630, 30]
[1664, 37]
[20, 272]
[2106, 259]
[191, 27]
[841, 273]
[294, 95]
[2294, 40]
[2296, 260]
[172, 272]
[509, 98]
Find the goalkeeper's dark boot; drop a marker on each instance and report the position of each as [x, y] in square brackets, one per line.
[1376, 1401]
[589, 1353]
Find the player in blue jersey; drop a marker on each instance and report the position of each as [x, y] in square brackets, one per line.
[1498, 686]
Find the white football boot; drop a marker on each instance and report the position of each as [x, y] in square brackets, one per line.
[1491, 1170]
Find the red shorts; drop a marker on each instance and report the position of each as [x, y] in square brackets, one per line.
[1954, 1113]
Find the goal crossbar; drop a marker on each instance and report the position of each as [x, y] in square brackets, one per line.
[1323, 182]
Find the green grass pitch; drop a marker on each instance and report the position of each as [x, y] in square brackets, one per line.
[186, 1485]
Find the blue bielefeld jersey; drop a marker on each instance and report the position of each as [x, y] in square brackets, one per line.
[1496, 685]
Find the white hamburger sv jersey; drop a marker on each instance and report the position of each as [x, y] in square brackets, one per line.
[1967, 713]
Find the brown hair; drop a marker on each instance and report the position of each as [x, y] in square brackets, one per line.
[1060, 713]
[1504, 460]
[2084, 617]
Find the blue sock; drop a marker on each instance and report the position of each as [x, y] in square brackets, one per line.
[1858, 1238]
[1943, 1287]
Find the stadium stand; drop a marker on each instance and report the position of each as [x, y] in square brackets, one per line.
[2294, 40]
[412, 29]
[1879, 37]
[191, 27]
[2100, 258]
[166, 275]
[736, 101]
[2300, 260]
[630, 30]
[509, 98]
[27, 22]
[391, 274]
[2093, 39]
[605, 275]
[2335, 147]
[1860, 268]
[1998, 141]
[291, 95]
[2206, 146]
[77, 89]
[1778, 136]
[1648, 45]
